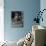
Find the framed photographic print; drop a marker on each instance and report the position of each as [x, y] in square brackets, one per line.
[17, 18]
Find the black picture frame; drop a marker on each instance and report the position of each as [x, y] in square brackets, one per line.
[17, 18]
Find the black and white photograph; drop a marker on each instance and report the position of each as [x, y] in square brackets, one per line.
[17, 18]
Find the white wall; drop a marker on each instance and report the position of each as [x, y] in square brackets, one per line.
[1, 21]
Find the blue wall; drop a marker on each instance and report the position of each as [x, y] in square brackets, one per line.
[29, 7]
[43, 6]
